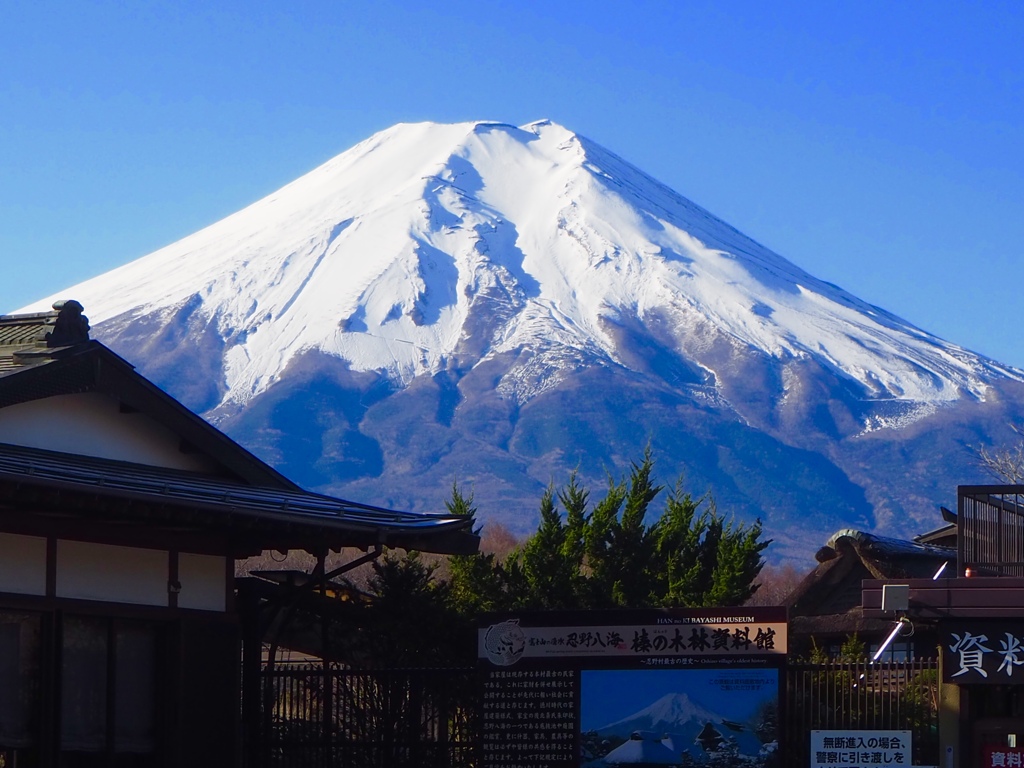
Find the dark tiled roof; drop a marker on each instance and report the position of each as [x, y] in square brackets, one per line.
[19, 331]
[23, 340]
[264, 512]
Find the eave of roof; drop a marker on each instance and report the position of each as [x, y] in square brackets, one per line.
[269, 517]
[838, 624]
[947, 531]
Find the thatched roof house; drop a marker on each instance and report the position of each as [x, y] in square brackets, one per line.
[825, 609]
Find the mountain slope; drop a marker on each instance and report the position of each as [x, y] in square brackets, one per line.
[670, 714]
[500, 305]
[677, 719]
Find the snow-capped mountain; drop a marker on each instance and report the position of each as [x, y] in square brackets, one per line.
[675, 722]
[498, 305]
[392, 256]
[671, 713]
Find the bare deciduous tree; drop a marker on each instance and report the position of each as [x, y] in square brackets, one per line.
[776, 583]
[1005, 461]
[498, 540]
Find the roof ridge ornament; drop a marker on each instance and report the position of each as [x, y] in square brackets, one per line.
[71, 327]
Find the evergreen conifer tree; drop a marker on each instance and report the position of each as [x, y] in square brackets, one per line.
[613, 556]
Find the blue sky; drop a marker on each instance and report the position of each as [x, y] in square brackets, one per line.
[878, 145]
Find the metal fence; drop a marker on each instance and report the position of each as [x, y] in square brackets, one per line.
[316, 716]
[842, 695]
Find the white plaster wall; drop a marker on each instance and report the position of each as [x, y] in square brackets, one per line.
[22, 564]
[110, 573]
[203, 581]
[91, 424]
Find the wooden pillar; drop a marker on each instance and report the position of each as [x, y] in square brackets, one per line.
[950, 746]
[253, 749]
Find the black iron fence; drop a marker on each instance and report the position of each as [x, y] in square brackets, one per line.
[315, 716]
[328, 716]
[840, 695]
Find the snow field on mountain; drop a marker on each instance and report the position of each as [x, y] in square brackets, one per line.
[428, 240]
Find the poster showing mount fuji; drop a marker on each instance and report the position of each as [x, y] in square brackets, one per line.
[694, 717]
[670, 687]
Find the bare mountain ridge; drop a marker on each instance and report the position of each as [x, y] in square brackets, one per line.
[499, 305]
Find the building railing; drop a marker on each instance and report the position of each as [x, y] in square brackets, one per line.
[990, 522]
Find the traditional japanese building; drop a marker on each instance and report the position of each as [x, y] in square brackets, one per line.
[825, 608]
[978, 610]
[122, 514]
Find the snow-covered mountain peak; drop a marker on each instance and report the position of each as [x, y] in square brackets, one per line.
[671, 711]
[431, 246]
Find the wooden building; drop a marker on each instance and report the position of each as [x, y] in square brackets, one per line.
[825, 608]
[121, 517]
[978, 610]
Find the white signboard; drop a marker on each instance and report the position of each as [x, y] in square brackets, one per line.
[859, 749]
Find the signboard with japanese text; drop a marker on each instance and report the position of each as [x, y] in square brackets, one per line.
[996, 756]
[859, 749]
[983, 652]
[596, 689]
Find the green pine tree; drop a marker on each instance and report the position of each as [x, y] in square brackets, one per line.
[614, 556]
